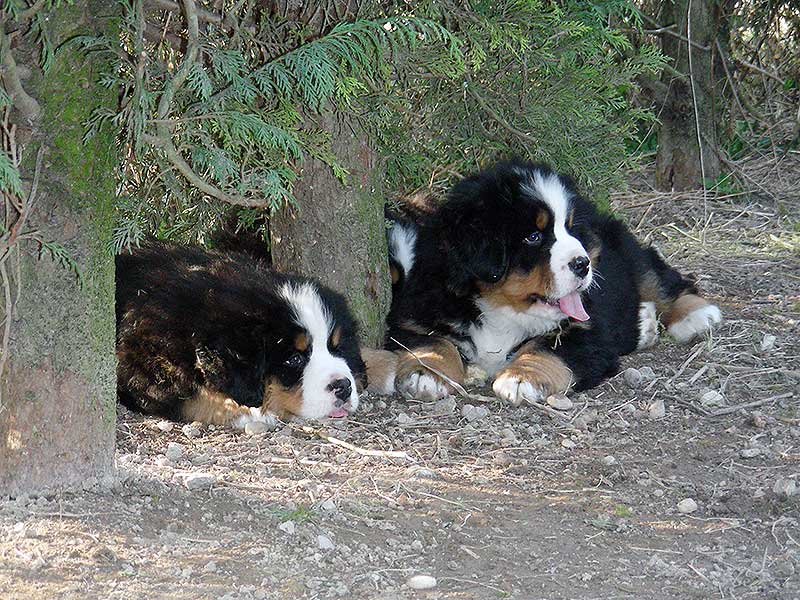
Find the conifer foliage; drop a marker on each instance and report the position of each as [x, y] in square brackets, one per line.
[219, 97]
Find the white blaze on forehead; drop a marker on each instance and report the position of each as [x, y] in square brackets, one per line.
[550, 189]
[322, 367]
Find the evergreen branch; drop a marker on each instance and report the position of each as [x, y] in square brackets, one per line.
[496, 116]
[202, 14]
[177, 160]
[172, 86]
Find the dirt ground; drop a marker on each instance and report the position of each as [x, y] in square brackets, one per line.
[492, 501]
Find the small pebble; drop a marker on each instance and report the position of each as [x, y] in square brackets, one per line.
[174, 451]
[191, 430]
[445, 406]
[199, 481]
[325, 543]
[507, 436]
[785, 487]
[328, 506]
[632, 378]
[687, 506]
[287, 527]
[210, 567]
[609, 461]
[474, 413]
[163, 461]
[421, 582]
[712, 398]
[647, 373]
[404, 419]
[749, 452]
[568, 443]
[255, 427]
[560, 402]
[165, 426]
[586, 418]
[768, 342]
[656, 410]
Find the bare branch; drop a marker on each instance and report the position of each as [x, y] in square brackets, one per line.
[23, 102]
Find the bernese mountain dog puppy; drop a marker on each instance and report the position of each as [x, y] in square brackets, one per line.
[221, 338]
[517, 273]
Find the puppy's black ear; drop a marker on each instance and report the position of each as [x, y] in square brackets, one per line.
[473, 254]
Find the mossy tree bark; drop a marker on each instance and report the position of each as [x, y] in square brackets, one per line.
[59, 394]
[688, 107]
[337, 232]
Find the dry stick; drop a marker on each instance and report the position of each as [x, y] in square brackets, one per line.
[688, 361]
[547, 410]
[458, 387]
[732, 409]
[357, 449]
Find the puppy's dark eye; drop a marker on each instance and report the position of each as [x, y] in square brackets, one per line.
[534, 238]
[295, 361]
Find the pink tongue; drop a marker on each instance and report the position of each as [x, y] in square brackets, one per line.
[572, 306]
[339, 412]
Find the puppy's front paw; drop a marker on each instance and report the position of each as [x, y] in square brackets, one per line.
[516, 389]
[424, 385]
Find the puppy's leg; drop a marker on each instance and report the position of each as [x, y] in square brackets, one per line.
[690, 316]
[215, 408]
[680, 307]
[381, 370]
[648, 325]
[417, 381]
[533, 375]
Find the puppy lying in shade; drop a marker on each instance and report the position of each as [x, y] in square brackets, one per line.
[223, 339]
[515, 272]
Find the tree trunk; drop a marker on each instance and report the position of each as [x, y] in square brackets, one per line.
[58, 410]
[337, 232]
[678, 159]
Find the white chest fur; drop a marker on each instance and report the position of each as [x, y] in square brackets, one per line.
[501, 329]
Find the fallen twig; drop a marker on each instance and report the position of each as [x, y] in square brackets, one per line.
[357, 449]
[732, 409]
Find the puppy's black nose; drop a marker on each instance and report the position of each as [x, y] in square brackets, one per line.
[341, 388]
[579, 266]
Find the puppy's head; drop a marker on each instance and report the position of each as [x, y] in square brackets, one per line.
[517, 236]
[314, 366]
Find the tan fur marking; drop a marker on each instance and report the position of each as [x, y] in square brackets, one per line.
[213, 407]
[282, 401]
[515, 290]
[301, 342]
[412, 327]
[336, 337]
[542, 219]
[440, 355]
[682, 307]
[539, 368]
[570, 218]
[381, 366]
[395, 274]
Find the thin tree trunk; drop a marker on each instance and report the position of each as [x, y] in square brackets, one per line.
[337, 232]
[58, 409]
[689, 107]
